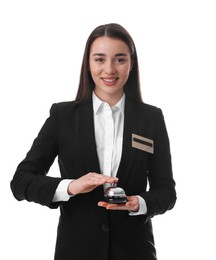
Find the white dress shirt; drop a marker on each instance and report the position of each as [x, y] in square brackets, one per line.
[108, 125]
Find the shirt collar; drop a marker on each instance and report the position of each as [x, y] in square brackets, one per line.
[97, 103]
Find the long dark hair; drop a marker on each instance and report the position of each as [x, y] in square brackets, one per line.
[86, 84]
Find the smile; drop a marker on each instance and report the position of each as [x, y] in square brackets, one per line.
[109, 81]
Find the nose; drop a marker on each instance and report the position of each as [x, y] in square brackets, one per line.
[109, 68]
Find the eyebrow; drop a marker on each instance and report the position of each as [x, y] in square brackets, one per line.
[116, 55]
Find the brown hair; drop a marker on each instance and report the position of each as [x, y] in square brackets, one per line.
[86, 84]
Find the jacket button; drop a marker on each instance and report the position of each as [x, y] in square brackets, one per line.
[105, 228]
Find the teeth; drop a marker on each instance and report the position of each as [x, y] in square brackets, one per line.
[109, 80]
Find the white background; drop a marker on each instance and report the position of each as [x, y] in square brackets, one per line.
[41, 48]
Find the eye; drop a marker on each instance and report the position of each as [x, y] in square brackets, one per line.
[99, 60]
[119, 60]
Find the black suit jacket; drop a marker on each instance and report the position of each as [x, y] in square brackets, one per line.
[86, 231]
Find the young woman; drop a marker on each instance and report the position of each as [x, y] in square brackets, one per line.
[106, 136]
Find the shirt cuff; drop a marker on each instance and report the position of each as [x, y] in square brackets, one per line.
[61, 193]
[142, 207]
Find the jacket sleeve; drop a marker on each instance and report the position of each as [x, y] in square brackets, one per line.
[161, 195]
[30, 181]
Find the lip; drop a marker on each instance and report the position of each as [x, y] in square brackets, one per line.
[109, 81]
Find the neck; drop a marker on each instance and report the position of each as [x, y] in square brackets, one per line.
[112, 100]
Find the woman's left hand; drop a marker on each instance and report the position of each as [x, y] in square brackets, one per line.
[132, 205]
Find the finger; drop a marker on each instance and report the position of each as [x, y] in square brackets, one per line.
[103, 181]
[116, 207]
[102, 204]
[100, 175]
[109, 178]
[129, 205]
[97, 180]
[102, 178]
[112, 206]
[108, 205]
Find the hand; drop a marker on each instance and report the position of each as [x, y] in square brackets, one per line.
[132, 204]
[89, 182]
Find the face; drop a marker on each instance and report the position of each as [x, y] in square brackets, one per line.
[110, 65]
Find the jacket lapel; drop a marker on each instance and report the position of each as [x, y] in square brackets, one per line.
[128, 154]
[88, 147]
[87, 138]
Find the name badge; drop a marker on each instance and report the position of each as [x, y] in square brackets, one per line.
[143, 143]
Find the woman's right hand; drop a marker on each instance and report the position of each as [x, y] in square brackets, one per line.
[89, 182]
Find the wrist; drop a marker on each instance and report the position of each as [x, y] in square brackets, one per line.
[135, 205]
[142, 207]
[70, 189]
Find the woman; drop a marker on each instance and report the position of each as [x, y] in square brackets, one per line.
[106, 136]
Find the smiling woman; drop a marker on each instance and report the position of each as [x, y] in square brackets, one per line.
[116, 34]
[106, 136]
